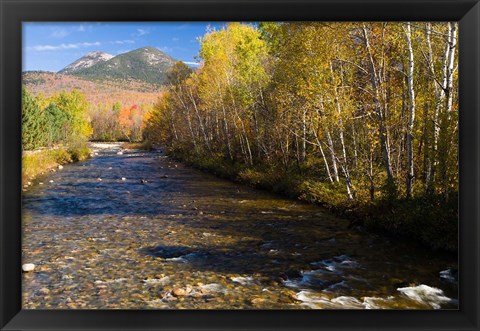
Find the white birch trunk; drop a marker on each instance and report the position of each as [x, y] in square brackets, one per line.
[411, 114]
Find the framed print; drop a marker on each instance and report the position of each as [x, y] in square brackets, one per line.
[239, 165]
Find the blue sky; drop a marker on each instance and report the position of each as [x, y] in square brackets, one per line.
[53, 46]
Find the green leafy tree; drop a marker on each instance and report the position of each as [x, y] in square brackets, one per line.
[75, 105]
[34, 123]
[56, 121]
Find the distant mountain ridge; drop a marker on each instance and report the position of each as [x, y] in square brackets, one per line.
[86, 61]
[147, 64]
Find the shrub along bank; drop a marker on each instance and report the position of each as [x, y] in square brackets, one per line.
[36, 163]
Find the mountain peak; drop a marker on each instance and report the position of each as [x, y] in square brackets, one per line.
[98, 54]
[86, 61]
[148, 48]
[151, 55]
[148, 64]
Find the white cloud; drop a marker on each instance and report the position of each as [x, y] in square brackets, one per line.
[58, 33]
[192, 63]
[141, 32]
[121, 42]
[85, 27]
[41, 48]
[175, 39]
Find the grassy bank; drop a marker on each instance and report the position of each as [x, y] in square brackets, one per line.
[35, 163]
[430, 221]
[144, 145]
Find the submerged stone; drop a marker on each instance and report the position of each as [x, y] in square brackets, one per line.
[28, 267]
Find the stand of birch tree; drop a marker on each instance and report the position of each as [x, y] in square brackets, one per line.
[368, 108]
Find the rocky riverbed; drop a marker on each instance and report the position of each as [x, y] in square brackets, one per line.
[132, 229]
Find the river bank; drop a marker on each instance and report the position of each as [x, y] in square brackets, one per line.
[39, 162]
[137, 230]
[432, 222]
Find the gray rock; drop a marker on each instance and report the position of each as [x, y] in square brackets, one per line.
[449, 275]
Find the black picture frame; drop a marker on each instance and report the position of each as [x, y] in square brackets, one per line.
[14, 12]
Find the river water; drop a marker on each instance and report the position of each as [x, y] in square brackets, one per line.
[140, 231]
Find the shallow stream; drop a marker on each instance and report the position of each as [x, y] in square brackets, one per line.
[136, 230]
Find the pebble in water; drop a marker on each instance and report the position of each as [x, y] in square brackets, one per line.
[257, 301]
[43, 291]
[242, 280]
[157, 281]
[178, 292]
[28, 267]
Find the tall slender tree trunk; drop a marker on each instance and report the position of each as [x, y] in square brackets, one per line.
[355, 153]
[327, 167]
[370, 176]
[330, 146]
[333, 156]
[452, 44]
[383, 133]
[304, 135]
[445, 118]
[226, 127]
[179, 94]
[439, 93]
[411, 106]
[346, 173]
[227, 132]
[200, 121]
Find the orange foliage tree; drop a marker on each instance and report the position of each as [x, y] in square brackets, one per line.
[130, 120]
